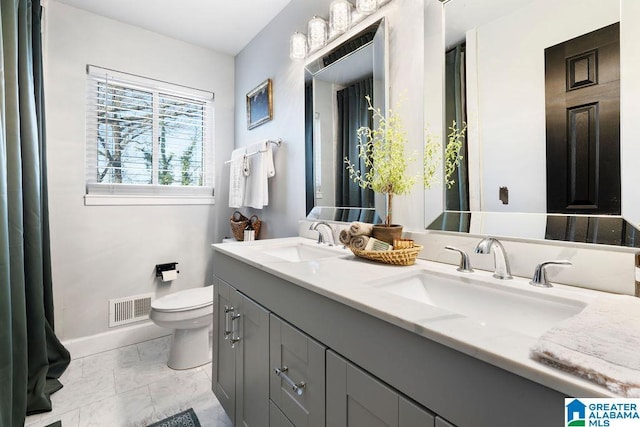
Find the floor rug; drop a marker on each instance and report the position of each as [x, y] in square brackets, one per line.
[187, 418]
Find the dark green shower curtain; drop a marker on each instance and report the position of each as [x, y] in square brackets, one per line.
[457, 197]
[31, 357]
[353, 113]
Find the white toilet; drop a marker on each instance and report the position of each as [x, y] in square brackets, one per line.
[189, 313]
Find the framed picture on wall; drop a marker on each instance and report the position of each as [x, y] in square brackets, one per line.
[260, 104]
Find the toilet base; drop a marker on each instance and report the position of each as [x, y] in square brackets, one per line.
[189, 348]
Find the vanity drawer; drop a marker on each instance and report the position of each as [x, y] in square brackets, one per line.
[297, 384]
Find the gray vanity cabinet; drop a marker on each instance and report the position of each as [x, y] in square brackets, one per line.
[240, 356]
[443, 423]
[297, 384]
[357, 399]
[277, 418]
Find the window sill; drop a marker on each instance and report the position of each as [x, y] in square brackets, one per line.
[142, 200]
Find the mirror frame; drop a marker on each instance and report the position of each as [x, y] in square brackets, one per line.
[322, 60]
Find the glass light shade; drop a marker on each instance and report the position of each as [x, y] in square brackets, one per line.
[317, 33]
[339, 16]
[298, 46]
[366, 6]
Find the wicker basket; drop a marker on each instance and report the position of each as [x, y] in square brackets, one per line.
[396, 257]
[239, 222]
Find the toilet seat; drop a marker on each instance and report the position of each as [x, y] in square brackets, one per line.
[189, 299]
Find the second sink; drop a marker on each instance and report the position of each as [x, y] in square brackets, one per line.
[520, 310]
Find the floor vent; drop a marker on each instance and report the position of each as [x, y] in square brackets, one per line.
[129, 309]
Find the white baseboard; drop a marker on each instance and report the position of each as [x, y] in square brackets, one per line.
[119, 337]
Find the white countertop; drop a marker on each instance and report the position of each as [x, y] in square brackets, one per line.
[353, 282]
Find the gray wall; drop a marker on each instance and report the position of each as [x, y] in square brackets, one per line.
[103, 252]
[267, 56]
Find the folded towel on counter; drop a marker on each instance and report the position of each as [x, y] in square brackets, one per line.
[359, 242]
[345, 237]
[360, 229]
[237, 178]
[600, 344]
[262, 168]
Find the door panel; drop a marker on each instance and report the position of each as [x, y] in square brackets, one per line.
[252, 369]
[277, 418]
[356, 399]
[582, 90]
[224, 357]
[413, 415]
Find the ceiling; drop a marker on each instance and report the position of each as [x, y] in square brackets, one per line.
[225, 26]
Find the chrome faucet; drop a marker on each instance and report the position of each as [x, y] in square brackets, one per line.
[539, 278]
[501, 262]
[321, 238]
[465, 264]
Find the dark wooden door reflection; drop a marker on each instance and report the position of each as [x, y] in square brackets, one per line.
[582, 91]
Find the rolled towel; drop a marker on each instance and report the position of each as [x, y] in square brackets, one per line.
[358, 228]
[345, 237]
[359, 242]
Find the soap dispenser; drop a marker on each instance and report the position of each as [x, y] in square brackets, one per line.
[249, 232]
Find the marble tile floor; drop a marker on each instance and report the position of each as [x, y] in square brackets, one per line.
[131, 387]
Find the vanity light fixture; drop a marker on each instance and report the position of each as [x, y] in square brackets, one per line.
[366, 7]
[317, 33]
[298, 46]
[342, 16]
[339, 16]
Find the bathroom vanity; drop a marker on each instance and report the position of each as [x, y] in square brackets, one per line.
[311, 335]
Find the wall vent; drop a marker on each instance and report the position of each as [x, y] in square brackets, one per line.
[129, 309]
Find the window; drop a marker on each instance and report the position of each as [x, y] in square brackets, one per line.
[148, 142]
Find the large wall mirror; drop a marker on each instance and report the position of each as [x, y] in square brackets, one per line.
[502, 82]
[337, 82]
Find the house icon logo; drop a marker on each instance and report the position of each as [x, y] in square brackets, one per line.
[575, 411]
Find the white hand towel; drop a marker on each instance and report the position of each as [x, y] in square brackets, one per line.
[262, 168]
[360, 229]
[600, 344]
[237, 179]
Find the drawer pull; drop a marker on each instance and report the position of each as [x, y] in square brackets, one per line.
[227, 321]
[298, 388]
[235, 337]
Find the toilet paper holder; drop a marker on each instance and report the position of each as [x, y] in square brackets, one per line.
[165, 267]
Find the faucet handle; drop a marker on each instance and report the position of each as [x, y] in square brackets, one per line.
[465, 264]
[540, 273]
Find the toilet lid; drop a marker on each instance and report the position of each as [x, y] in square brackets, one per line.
[188, 299]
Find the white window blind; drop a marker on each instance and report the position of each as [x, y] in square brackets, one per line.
[147, 138]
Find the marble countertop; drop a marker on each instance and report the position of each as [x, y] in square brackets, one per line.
[355, 282]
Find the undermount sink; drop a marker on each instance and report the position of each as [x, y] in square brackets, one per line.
[529, 312]
[298, 251]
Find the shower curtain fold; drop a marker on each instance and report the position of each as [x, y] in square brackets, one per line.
[353, 113]
[31, 357]
[457, 197]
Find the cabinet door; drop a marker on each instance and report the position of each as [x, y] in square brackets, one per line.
[277, 418]
[440, 422]
[252, 363]
[300, 359]
[224, 357]
[357, 399]
[413, 415]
